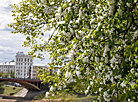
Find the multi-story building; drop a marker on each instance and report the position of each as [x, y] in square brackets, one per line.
[23, 66]
[6, 67]
[35, 68]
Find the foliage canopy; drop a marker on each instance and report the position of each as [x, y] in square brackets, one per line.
[96, 44]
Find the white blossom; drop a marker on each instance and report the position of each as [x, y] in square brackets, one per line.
[59, 10]
[47, 94]
[93, 77]
[55, 84]
[58, 72]
[80, 13]
[58, 16]
[78, 20]
[120, 12]
[113, 60]
[44, 1]
[85, 59]
[69, 9]
[112, 79]
[100, 89]
[124, 91]
[88, 87]
[132, 70]
[111, 8]
[123, 84]
[118, 77]
[71, 54]
[74, 46]
[68, 74]
[97, 59]
[105, 50]
[77, 35]
[51, 88]
[111, 1]
[107, 76]
[71, 30]
[135, 34]
[128, 4]
[59, 87]
[136, 74]
[106, 96]
[86, 91]
[78, 73]
[91, 83]
[72, 66]
[48, 9]
[77, 67]
[52, 58]
[81, 32]
[75, 26]
[106, 59]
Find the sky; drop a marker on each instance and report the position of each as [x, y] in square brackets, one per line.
[10, 43]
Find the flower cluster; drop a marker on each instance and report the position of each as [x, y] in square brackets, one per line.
[95, 43]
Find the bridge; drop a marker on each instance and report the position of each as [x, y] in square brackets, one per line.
[30, 84]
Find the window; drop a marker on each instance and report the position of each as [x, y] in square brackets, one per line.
[28, 59]
[25, 59]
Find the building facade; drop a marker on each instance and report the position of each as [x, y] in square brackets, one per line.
[6, 67]
[23, 67]
[35, 69]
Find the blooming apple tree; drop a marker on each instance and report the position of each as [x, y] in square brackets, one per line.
[95, 44]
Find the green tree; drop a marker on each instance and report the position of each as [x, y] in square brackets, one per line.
[6, 75]
[100, 37]
[12, 74]
[12, 61]
[1, 74]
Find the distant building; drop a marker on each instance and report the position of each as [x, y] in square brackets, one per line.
[35, 68]
[23, 66]
[6, 67]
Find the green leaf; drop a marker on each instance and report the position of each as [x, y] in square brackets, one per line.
[136, 60]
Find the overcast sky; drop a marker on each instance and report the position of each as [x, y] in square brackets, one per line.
[10, 43]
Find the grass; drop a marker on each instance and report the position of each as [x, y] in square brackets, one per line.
[6, 90]
[66, 98]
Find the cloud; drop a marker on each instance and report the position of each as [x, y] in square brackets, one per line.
[10, 44]
[5, 3]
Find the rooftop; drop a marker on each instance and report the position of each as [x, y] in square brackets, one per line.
[8, 63]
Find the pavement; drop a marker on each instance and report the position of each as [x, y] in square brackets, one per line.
[7, 98]
[21, 93]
